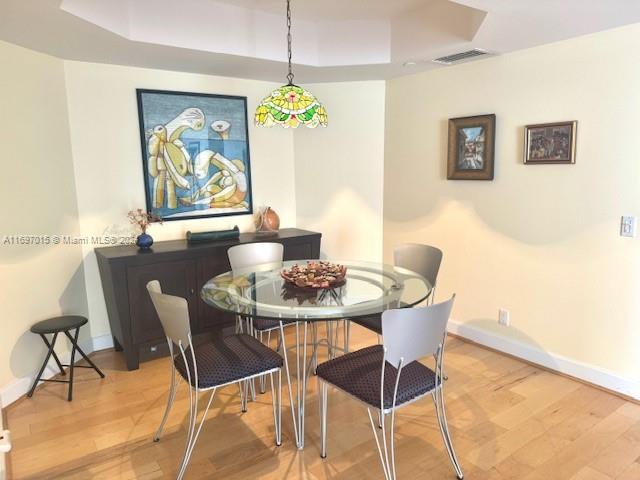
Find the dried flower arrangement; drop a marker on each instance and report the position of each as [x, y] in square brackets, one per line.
[142, 219]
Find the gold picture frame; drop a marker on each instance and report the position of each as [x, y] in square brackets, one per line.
[550, 143]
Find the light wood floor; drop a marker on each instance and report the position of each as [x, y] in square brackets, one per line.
[508, 419]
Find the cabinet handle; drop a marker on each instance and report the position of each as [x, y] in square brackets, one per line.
[192, 291]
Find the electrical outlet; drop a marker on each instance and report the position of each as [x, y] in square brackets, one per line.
[628, 227]
[5, 441]
[504, 317]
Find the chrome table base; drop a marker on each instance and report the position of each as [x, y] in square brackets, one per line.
[306, 366]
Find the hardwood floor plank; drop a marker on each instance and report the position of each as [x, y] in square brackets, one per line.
[588, 473]
[620, 454]
[508, 420]
[632, 472]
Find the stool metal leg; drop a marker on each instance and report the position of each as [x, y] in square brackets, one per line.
[53, 353]
[72, 361]
[44, 365]
[77, 347]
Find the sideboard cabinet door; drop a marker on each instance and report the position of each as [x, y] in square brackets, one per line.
[182, 269]
[176, 278]
[299, 251]
[210, 318]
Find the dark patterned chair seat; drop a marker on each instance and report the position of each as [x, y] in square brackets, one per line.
[373, 323]
[228, 359]
[265, 324]
[359, 374]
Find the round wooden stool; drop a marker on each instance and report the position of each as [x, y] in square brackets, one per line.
[55, 326]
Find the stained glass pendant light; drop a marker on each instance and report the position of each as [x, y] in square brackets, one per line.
[290, 105]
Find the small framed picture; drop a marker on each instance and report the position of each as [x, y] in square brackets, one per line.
[471, 148]
[550, 143]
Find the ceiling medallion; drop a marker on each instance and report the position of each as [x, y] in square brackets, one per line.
[290, 105]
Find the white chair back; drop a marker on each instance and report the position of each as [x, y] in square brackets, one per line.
[173, 313]
[413, 333]
[252, 254]
[422, 259]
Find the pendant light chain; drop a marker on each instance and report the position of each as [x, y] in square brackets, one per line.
[290, 74]
[290, 106]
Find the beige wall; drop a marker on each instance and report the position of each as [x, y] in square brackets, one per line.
[38, 197]
[339, 171]
[541, 241]
[105, 136]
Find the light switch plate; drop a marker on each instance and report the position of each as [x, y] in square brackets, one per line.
[628, 226]
[504, 317]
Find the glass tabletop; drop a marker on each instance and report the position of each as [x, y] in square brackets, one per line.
[369, 289]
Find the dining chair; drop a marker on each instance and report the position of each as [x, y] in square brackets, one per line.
[267, 254]
[422, 259]
[210, 365]
[389, 376]
[253, 254]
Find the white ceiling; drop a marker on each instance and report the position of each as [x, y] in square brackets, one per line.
[333, 9]
[334, 40]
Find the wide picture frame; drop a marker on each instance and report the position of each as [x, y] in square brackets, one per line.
[471, 152]
[195, 154]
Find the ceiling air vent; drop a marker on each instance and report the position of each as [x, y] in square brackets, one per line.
[461, 57]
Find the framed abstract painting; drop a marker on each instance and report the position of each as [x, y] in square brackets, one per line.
[471, 148]
[550, 143]
[195, 154]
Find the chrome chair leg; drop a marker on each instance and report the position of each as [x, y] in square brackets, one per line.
[252, 389]
[262, 380]
[438, 398]
[193, 437]
[170, 399]
[244, 394]
[444, 376]
[314, 340]
[322, 397]
[282, 344]
[190, 428]
[347, 335]
[276, 400]
[301, 361]
[388, 467]
[386, 450]
[193, 410]
[392, 446]
[336, 338]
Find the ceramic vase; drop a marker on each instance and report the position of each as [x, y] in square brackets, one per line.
[144, 241]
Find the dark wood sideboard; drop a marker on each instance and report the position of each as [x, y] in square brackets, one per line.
[182, 269]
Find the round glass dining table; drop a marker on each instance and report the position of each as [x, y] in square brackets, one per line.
[261, 292]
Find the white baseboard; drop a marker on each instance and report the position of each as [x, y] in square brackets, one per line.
[100, 343]
[20, 386]
[583, 371]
